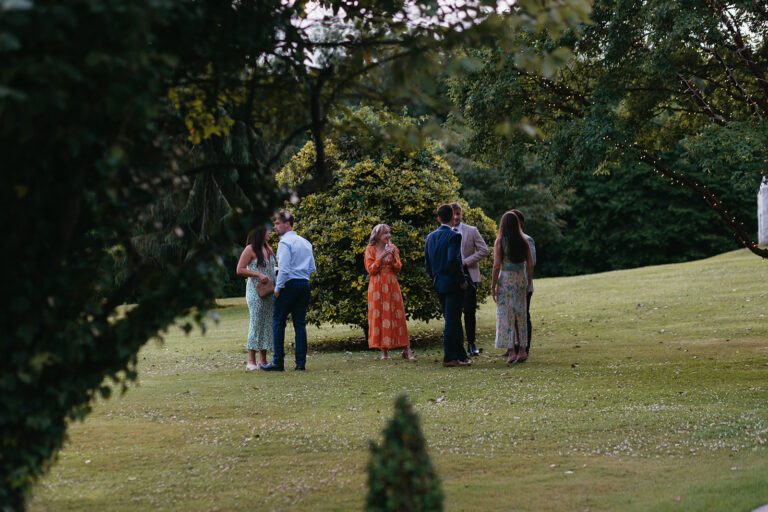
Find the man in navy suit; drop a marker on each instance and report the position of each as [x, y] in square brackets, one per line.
[442, 257]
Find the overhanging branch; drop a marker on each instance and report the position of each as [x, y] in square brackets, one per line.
[706, 194]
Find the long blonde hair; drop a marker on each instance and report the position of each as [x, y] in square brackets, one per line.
[376, 233]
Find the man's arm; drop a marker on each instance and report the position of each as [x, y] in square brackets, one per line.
[312, 267]
[530, 263]
[283, 265]
[427, 263]
[481, 250]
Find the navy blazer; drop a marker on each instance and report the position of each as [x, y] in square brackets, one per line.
[442, 257]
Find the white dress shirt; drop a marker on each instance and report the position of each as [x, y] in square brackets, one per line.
[294, 259]
[532, 245]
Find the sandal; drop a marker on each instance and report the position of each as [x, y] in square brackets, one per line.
[408, 354]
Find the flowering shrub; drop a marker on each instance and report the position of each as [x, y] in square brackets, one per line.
[391, 185]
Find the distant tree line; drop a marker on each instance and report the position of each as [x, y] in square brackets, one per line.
[646, 146]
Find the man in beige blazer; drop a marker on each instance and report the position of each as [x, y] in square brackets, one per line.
[473, 249]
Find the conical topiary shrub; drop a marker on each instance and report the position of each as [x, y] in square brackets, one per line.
[400, 474]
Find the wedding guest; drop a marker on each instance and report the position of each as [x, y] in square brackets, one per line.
[387, 327]
[473, 249]
[442, 259]
[532, 245]
[296, 264]
[257, 263]
[511, 280]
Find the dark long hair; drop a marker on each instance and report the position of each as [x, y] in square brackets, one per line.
[257, 240]
[513, 244]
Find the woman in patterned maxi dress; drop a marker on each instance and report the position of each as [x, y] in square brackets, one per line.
[511, 279]
[387, 328]
[258, 263]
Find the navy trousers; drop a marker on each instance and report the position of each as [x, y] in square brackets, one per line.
[470, 308]
[453, 339]
[528, 345]
[293, 299]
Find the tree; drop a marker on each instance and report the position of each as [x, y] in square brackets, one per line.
[374, 184]
[629, 219]
[496, 187]
[200, 203]
[400, 474]
[98, 103]
[679, 88]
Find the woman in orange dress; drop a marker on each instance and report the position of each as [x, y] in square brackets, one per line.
[386, 314]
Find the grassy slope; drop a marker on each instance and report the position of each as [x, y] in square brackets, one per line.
[646, 390]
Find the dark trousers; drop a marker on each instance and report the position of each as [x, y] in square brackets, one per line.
[469, 307]
[453, 338]
[293, 299]
[528, 312]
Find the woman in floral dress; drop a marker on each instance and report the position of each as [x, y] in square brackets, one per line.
[511, 279]
[257, 263]
[387, 328]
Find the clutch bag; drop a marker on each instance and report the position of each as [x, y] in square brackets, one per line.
[265, 289]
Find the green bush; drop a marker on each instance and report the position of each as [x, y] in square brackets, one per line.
[370, 186]
[630, 219]
[400, 474]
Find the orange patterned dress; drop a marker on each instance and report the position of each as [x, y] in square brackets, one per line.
[386, 313]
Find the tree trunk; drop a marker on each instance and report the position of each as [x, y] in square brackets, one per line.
[762, 213]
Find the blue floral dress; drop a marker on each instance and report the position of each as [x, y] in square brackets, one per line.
[260, 330]
[511, 306]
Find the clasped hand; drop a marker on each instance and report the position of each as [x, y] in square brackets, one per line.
[386, 254]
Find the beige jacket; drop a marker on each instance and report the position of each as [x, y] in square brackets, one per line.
[473, 249]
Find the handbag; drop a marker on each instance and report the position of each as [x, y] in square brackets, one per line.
[265, 289]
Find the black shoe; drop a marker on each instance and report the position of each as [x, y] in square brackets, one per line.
[300, 368]
[472, 350]
[272, 367]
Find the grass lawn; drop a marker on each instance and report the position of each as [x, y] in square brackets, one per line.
[646, 390]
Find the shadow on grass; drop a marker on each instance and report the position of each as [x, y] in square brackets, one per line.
[424, 339]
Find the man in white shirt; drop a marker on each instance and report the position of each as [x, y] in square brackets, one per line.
[532, 245]
[295, 264]
[473, 249]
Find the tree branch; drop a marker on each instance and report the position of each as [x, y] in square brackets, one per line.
[700, 101]
[760, 8]
[707, 195]
[323, 174]
[732, 79]
[743, 51]
[558, 89]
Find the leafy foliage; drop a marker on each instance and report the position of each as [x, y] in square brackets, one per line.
[400, 473]
[202, 200]
[374, 184]
[677, 87]
[99, 102]
[629, 219]
[521, 184]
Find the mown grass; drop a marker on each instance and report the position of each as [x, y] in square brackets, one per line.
[646, 390]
